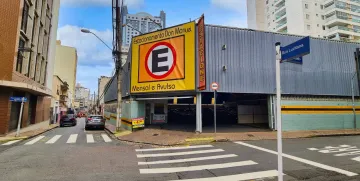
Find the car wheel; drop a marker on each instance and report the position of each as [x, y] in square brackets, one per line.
[61, 125]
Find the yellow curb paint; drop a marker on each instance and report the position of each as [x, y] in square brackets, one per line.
[123, 133]
[13, 138]
[200, 139]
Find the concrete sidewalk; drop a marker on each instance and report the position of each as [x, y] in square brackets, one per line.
[29, 131]
[163, 137]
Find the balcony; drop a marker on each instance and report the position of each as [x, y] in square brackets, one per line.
[63, 98]
[342, 6]
[344, 31]
[281, 26]
[280, 7]
[278, 2]
[280, 16]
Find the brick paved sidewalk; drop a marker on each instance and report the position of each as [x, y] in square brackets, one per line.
[171, 137]
[29, 131]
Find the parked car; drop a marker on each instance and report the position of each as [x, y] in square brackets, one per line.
[95, 121]
[68, 120]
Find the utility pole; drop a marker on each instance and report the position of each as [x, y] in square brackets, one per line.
[117, 53]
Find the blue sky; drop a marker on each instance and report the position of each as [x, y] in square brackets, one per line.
[94, 59]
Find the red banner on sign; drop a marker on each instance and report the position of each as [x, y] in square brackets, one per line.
[201, 53]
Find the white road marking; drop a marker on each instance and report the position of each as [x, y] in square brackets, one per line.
[188, 159]
[238, 177]
[196, 168]
[11, 142]
[315, 164]
[72, 138]
[313, 149]
[179, 153]
[106, 138]
[34, 140]
[90, 138]
[53, 139]
[175, 148]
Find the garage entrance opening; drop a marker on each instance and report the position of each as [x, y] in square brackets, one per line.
[235, 112]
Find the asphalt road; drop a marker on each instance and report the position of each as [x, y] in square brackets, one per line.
[83, 159]
[93, 156]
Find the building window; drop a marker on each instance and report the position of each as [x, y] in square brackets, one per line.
[306, 6]
[317, 15]
[323, 27]
[25, 16]
[308, 27]
[19, 61]
[307, 16]
[318, 25]
[323, 17]
[322, 6]
[315, 4]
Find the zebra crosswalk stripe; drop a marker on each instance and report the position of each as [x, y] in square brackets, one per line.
[106, 138]
[53, 139]
[90, 138]
[34, 140]
[179, 153]
[188, 159]
[175, 148]
[72, 138]
[196, 168]
[11, 142]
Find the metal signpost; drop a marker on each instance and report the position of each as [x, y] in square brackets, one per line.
[291, 53]
[215, 87]
[22, 100]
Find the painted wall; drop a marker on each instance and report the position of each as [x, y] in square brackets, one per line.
[319, 114]
[66, 65]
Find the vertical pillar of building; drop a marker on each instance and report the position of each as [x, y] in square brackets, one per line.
[5, 106]
[198, 113]
[152, 111]
[25, 113]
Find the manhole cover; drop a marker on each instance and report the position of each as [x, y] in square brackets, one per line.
[250, 135]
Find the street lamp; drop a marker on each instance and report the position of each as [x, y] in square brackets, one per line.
[148, 18]
[132, 28]
[88, 31]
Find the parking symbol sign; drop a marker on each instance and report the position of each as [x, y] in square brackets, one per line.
[160, 60]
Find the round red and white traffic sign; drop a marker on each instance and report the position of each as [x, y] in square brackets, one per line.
[214, 86]
[160, 60]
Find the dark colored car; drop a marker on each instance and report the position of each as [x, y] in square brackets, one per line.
[69, 119]
[95, 121]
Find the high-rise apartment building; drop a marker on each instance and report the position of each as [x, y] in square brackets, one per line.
[140, 23]
[332, 19]
[27, 34]
[82, 94]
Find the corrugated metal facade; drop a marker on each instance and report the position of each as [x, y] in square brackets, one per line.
[111, 93]
[249, 58]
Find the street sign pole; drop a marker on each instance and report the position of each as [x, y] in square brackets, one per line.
[278, 112]
[214, 87]
[215, 112]
[20, 116]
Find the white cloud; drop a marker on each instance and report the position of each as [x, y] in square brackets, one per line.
[90, 49]
[88, 76]
[234, 5]
[94, 58]
[130, 3]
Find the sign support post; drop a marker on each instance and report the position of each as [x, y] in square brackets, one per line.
[214, 87]
[20, 117]
[278, 112]
[215, 112]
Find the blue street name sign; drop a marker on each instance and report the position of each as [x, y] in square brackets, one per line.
[18, 99]
[295, 50]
